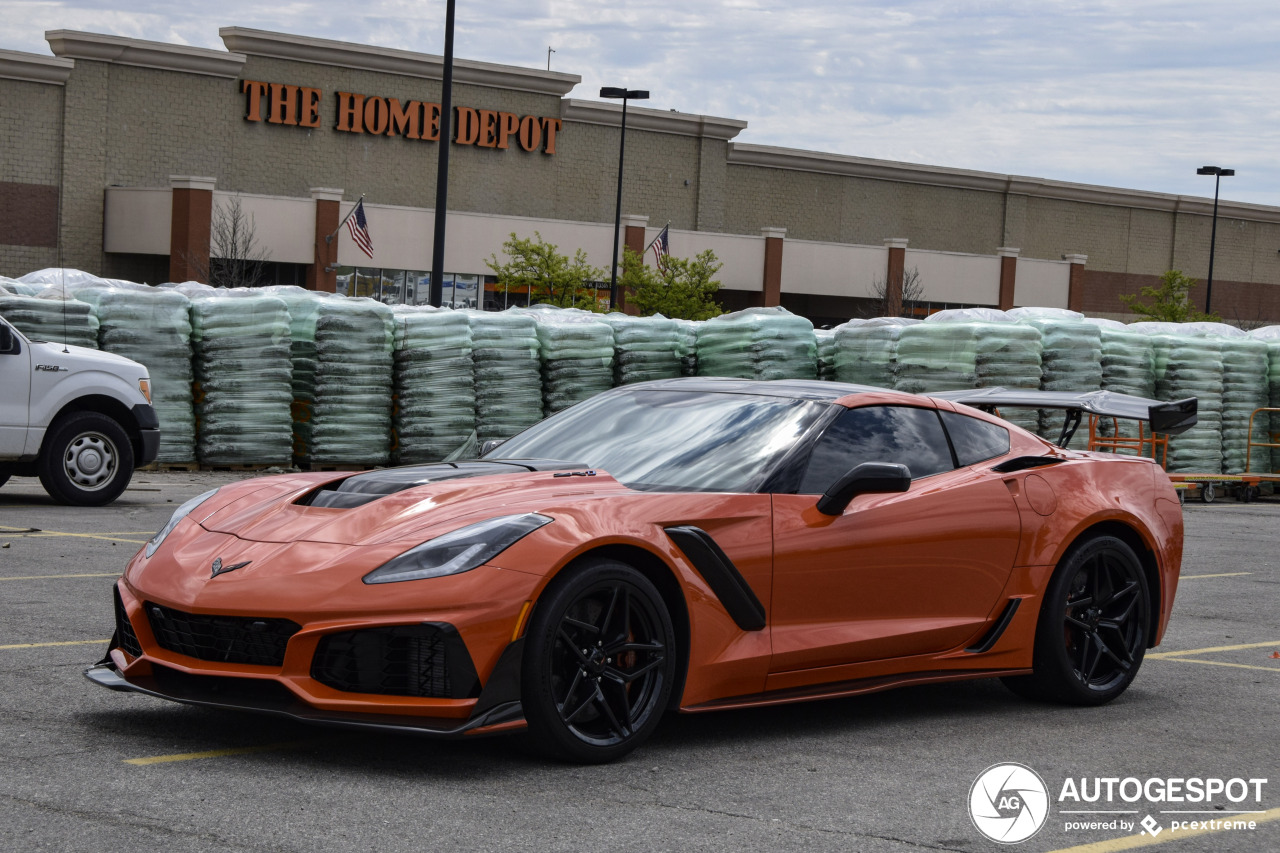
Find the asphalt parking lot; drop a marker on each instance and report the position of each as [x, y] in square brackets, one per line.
[86, 769]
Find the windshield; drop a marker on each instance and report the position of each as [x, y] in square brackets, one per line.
[688, 441]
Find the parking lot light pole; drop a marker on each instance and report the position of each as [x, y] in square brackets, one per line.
[625, 94]
[1218, 174]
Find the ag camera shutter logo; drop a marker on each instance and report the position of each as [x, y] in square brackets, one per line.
[1008, 803]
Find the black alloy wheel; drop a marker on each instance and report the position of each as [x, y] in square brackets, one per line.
[599, 663]
[1093, 626]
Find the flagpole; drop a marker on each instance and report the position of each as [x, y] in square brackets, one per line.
[329, 238]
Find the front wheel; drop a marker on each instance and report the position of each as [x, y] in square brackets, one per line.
[86, 461]
[1093, 627]
[599, 663]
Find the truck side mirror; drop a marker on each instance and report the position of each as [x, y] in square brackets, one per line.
[869, 477]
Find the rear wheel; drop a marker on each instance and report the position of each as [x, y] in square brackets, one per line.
[86, 461]
[1093, 627]
[599, 663]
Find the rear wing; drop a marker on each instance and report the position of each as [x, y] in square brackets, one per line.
[1165, 418]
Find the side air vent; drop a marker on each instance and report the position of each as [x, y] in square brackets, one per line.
[990, 638]
[1022, 463]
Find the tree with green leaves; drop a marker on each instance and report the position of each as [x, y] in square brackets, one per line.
[684, 290]
[1170, 302]
[549, 276]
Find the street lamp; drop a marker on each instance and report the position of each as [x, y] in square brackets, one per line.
[1218, 174]
[625, 94]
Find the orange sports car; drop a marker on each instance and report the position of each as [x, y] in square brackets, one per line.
[691, 545]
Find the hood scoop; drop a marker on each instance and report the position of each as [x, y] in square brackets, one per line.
[369, 486]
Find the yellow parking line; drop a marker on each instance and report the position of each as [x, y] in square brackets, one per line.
[49, 534]
[67, 643]
[1223, 575]
[1130, 842]
[51, 577]
[215, 753]
[1214, 649]
[1225, 663]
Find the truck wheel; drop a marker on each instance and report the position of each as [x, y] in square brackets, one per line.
[87, 460]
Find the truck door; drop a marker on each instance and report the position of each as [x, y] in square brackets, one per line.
[15, 391]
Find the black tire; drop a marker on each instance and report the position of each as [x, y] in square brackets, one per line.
[599, 663]
[1093, 627]
[87, 460]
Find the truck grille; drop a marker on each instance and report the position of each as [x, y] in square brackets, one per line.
[226, 639]
[404, 660]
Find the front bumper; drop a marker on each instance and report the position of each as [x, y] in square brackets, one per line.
[496, 711]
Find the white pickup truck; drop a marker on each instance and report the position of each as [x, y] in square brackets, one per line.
[79, 419]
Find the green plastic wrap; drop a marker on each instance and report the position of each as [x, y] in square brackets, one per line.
[576, 351]
[758, 343]
[645, 348]
[243, 373]
[1188, 366]
[435, 386]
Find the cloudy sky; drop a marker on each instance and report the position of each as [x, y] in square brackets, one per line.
[1131, 93]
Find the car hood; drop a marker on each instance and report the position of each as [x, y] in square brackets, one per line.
[388, 505]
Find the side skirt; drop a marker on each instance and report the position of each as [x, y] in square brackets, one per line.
[856, 687]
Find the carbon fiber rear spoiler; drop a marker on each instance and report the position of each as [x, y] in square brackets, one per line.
[1165, 418]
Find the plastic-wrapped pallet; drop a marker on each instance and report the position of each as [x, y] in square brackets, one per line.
[349, 421]
[508, 373]
[153, 327]
[867, 350]
[240, 344]
[1188, 366]
[645, 348]
[576, 348]
[12, 286]
[304, 309]
[688, 346]
[1071, 360]
[1244, 390]
[826, 340]
[435, 386]
[47, 317]
[758, 343]
[1270, 335]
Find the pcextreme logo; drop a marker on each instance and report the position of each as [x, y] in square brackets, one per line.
[1009, 803]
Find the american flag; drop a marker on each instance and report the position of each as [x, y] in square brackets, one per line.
[359, 228]
[661, 248]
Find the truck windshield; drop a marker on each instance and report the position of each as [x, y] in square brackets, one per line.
[660, 440]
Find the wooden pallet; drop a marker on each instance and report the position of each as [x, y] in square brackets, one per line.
[246, 469]
[331, 466]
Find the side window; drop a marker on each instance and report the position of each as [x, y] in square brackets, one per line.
[903, 434]
[975, 440]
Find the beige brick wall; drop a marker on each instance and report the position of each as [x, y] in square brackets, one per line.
[832, 208]
[30, 132]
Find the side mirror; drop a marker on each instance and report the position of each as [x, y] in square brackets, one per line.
[7, 340]
[867, 478]
[491, 444]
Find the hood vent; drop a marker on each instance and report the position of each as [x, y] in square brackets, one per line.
[364, 488]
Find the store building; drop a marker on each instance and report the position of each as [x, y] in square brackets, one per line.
[122, 155]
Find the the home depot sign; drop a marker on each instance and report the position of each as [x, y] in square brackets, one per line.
[299, 106]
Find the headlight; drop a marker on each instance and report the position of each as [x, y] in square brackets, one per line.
[179, 514]
[459, 551]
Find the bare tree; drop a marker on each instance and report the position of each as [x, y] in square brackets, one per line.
[886, 303]
[236, 257]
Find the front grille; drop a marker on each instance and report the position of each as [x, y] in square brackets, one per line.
[226, 639]
[125, 636]
[403, 660]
